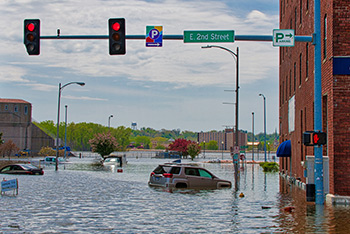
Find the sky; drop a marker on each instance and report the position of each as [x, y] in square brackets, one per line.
[177, 86]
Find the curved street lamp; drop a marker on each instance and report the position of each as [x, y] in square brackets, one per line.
[58, 115]
[262, 95]
[234, 55]
[109, 121]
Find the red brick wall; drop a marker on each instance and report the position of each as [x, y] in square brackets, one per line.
[335, 89]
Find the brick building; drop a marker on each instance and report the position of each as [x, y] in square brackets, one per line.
[16, 125]
[296, 80]
[225, 139]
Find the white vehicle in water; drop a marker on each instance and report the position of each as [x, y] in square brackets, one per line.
[116, 160]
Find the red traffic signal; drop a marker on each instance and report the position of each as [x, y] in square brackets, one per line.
[116, 28]
[32, 36]
[319, 138]
[311, 138]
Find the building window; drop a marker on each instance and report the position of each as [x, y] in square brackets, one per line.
[325, 38]
[295, 19]
[290, 83]
[301, 133]
[295, 75]
[16, 108]
[286, 88]
[282, 93]
[25, 110]
[307, 60]
[6, 107]
[300, 64]
[301, 11]
[307, 5]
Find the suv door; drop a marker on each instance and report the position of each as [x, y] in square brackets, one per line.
[199, 178]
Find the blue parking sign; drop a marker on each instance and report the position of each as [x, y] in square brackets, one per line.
[154, 36]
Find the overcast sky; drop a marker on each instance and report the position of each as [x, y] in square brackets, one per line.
[177, 86]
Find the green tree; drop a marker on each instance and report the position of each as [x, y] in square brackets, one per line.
[212, 145]
[142, 141]
[103, 143]
[8, 148]
[122, 135]
[193, 149]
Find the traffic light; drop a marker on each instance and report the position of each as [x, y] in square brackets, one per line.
[311, 138]
[32, 36]
[307, 138]
[117, 36]
[319, 138]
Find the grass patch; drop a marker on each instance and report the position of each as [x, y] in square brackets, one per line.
[269, 166]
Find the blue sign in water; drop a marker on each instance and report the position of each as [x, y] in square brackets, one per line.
[154, 36]
[341, 65]
[8, 185]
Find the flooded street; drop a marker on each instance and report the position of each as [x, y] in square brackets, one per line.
[85, 198]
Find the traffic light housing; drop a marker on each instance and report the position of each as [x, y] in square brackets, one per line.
[32, 36]
[116, 29]
[311, 138]
[307, 138]
[319, 138]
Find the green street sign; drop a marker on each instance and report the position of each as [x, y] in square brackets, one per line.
[209, 36]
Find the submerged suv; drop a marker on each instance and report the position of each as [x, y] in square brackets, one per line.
[173, 175]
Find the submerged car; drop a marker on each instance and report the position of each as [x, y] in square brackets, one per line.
[177, 175]
[115, 160]
[21, 169]
[52, 160]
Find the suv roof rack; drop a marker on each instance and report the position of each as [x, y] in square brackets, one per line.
[181, 164]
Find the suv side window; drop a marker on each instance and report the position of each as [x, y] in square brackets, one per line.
[204, 173]
[192, 171]
[175, 170]
[159, 170]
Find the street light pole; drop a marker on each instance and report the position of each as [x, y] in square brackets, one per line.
[262, 95]
[222, 150]
[58, 116]
[253, 138]
[109, 121]
[204, 149]
[235, 55]
[65, 134]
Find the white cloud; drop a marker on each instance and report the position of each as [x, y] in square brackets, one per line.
[83, 98]
[174, 67]
[12, 74]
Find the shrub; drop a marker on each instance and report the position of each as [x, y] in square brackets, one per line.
[103, 143]
[193, 149]
[269, 166]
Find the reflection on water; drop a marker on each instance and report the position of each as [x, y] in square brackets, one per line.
[85, 197]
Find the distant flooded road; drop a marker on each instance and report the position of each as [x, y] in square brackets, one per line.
[82, 197]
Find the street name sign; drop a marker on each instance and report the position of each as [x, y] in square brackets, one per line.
[209, 36]
[283, 37]
[154, 36]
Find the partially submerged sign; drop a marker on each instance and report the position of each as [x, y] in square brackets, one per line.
[9, 185]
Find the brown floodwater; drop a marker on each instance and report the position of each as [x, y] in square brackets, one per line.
[82, 197]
